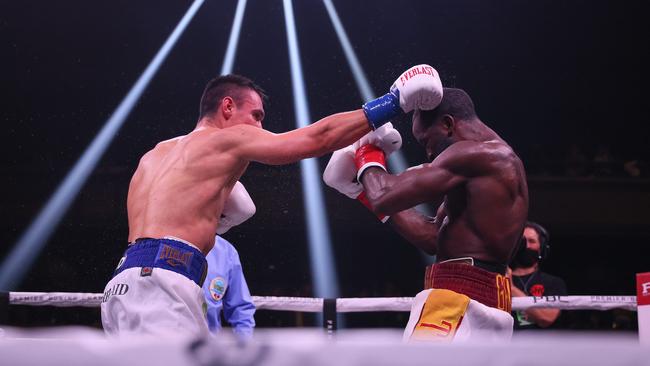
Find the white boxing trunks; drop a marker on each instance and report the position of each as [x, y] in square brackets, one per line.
[156, 290]
[444, 315]
[462, 302]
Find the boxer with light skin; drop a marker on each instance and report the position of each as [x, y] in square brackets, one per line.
[481, 183]
[177, 193]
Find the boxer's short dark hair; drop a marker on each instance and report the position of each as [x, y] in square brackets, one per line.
[455, 102]
[226, 86]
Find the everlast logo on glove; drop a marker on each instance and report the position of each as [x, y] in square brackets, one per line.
[420, 69]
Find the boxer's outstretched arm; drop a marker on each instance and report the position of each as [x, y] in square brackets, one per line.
[328, 134]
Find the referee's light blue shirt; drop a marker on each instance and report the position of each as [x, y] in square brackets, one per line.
[225, 289]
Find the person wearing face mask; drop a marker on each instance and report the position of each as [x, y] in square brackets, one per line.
[528, 280]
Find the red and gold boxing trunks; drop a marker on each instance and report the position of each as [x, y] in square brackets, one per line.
[461, 302]
[488, 288]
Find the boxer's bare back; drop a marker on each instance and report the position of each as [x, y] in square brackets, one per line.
[179, 189]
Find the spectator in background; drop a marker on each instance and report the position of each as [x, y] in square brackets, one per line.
[529, 280]
[226, 291]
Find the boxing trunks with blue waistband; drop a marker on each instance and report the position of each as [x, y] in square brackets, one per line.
[171, 254]
[156, 289]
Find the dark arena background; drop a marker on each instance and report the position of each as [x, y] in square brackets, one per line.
[562, 81]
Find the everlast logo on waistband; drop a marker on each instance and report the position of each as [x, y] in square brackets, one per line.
[426, 70]
[117, 289]
[174, 257]
[645, 289]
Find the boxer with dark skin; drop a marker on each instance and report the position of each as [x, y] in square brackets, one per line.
[476, 175]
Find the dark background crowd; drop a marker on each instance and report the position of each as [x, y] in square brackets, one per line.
[562, 82]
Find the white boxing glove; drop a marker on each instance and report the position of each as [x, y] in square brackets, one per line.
[419, 87]
[238, 208]
[385, 137]
[341, 173]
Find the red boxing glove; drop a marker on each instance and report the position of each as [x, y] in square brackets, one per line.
[368, 156]
[364, 201]
[365, 157]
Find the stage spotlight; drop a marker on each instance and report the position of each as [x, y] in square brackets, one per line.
[397, 162]
[322, 263]
[30, 244]
[233, 40]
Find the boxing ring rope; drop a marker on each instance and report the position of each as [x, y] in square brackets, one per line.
[343, 305]
[303, 346]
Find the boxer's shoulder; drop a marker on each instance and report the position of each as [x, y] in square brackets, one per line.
[208, 140]
[236, 135]
[161, 148]
[482, 149]
[476, 157]
[152, 156]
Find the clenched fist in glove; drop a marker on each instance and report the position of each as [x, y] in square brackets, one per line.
[238, 208]
[417, 88]
[341, 171]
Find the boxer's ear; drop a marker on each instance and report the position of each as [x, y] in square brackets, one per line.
[227, 106]
[448, 122]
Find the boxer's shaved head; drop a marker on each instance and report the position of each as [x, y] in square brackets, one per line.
[436, 129]
[455, 102]
[226, 86]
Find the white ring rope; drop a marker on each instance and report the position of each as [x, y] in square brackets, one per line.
[343, 305]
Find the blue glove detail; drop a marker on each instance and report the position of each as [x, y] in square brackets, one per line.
[383, 109]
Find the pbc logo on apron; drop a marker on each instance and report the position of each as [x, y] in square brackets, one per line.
[217, 288]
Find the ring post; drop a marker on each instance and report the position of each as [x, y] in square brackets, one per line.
[4, 307]
[643, 306]
[329, 316]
